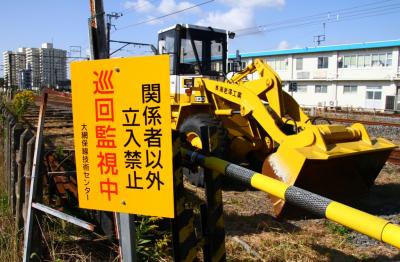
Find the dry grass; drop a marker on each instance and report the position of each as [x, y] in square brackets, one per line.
[249, 220]
[253, 234]
[63, 241]
[8, 233]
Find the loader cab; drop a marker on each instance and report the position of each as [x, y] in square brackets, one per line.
[194, 50]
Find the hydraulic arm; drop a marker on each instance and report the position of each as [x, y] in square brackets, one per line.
[347, 157]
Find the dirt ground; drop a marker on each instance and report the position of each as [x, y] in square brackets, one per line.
[253, 234]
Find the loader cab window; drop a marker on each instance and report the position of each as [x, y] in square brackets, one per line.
[194, 51]
[216, 56]
[188, 63]
[166, 45]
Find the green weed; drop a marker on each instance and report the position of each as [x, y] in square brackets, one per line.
[338, 229]
[21, 102]
[152, 243]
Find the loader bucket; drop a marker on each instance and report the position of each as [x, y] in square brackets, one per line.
[342, 172]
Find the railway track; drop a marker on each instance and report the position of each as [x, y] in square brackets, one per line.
[60, 108]
[394, 157]
[360, 113]
[371, 123]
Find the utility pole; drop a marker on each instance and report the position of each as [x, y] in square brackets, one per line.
[100, 49]
[318, 39]
[97, 31]
[109, 24]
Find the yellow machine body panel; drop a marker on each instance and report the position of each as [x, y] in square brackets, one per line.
[332, 160]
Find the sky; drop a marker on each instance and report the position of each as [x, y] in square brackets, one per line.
[274, 24]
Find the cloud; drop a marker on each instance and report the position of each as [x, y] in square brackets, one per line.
[141, 6]
[235, 18]
[169, 6]
[283, 45]
[239, 15]
[254, 3]
[152, 21]
[165, 7]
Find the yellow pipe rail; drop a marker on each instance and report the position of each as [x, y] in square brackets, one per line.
[372, 226]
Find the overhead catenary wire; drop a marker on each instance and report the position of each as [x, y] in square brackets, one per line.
[324, 14]
[333, 18]
[341, 18]
[136, 6]
[166, 15]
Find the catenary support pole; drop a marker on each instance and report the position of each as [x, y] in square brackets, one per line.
[97, 31]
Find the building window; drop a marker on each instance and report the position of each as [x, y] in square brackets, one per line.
[323, 62]
[235, 66]
[361, 60]
[230, 66]
[353, 61]
[350, 61]
[374, 95]
[367, 60]
[321, 89]
[301, 89]
[299, 63]
[270, 62]
[277, 63]
[349, 89]
[382, 59]
[375, 60]
[346, 63]
[340, 61]
[389, 59]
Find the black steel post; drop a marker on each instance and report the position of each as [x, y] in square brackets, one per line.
[97, 31]
[184, 239]
[212, 212]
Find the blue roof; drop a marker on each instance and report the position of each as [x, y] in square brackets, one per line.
[329, 48]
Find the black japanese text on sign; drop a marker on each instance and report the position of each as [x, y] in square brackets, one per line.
[123, 150]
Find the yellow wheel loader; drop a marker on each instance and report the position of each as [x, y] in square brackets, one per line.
[259, 124]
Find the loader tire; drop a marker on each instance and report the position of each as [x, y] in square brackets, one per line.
[191, 129]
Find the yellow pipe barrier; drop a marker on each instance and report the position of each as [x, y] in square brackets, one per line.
[375, 227]
[269, 185]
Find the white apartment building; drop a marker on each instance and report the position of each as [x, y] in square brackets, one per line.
[53, 65]
[33, 63]
[14, 62]
[365, 75]
[43, 66]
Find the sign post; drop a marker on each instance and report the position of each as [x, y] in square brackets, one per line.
[122, 128]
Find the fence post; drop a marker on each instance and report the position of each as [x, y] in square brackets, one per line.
[15, 137]
[184, 240]
[127, 237]
[27, 174]
[19, 186]
[212, 212]
[10, 124]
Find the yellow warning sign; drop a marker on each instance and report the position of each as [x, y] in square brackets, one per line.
[122, 135]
